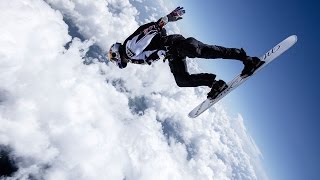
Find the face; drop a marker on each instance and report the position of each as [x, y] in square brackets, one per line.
[113, 54]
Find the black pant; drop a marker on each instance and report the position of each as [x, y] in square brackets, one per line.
[180, 48]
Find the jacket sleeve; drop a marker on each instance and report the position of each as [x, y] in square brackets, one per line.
[141, 29]
[162, 21]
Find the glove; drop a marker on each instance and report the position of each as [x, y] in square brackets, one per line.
[156, 56]
[168, 57]
[176, 14]
[121, 65]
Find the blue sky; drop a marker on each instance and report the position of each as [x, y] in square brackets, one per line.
[279, 103]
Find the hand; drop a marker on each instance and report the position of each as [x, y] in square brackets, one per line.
[176, 14]
[160, 54]
[168, 57]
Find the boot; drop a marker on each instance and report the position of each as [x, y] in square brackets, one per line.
[217, 87]
[251, 64]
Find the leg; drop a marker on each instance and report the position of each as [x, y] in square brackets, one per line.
[179, 68]
[184, 79]
[193, 48]
[181, 47]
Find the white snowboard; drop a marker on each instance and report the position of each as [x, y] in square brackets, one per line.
[238, 80]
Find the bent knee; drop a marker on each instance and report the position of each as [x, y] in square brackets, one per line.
[182, 80]
[182, 84]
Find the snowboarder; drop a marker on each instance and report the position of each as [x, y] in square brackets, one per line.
[150, 41]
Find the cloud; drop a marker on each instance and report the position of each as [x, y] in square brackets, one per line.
[66, 120]
[105, 21]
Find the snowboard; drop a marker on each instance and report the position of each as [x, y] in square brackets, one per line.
[238, 80]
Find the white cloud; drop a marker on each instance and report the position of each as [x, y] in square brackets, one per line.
[105, 21]
[65, 120]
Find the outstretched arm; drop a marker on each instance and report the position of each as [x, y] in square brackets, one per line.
[175, 15]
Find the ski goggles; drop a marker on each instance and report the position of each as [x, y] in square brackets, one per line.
[114, 56]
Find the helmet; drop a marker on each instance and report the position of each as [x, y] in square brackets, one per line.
[113, 54]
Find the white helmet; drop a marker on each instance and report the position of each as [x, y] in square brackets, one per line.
[113, 54]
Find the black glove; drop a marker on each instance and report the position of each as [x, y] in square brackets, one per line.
[176, 14]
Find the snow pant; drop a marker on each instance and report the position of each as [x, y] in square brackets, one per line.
[180, 48]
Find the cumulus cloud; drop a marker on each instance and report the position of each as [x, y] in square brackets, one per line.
[66, 120]
[104, 21]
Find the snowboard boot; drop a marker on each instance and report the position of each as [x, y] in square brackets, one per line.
[251, 64]
[217, 87]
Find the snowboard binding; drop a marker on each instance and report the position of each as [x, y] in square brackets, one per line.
[217, 88]
[251, 64]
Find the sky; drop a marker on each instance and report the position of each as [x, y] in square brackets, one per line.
[64, 114]
[279, 105]
[63, 119]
